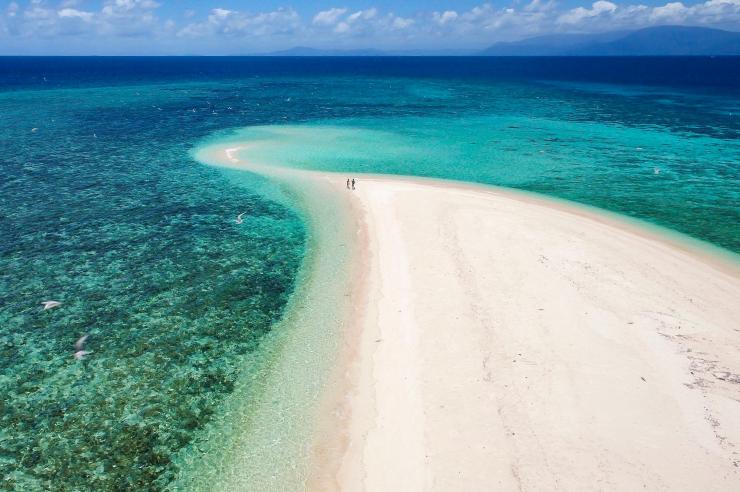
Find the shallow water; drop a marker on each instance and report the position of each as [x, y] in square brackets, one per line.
[103, 208]
[685, 177]
[104, 211]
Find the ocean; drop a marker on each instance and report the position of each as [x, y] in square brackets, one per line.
[104, 208]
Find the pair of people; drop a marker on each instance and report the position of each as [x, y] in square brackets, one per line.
[352, 182]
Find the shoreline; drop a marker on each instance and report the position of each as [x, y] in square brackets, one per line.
[260, 437]
[720, 258]
[373, 427]
[717, 256]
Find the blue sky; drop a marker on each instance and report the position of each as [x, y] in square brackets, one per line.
[205, 27]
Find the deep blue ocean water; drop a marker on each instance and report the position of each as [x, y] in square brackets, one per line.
[103, 208]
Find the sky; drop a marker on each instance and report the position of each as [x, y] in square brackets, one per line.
[232, 27]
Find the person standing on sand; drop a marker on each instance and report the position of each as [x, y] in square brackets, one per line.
[347, 183]
[353, 183]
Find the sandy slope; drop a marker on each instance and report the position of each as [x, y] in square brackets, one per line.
[509, 345]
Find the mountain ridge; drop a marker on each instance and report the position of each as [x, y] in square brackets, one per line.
[308, 52]
[649, 41]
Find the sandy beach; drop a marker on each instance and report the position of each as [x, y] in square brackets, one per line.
[509, 343]
[515, 346]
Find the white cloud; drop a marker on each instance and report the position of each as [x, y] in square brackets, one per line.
[128, 17]
[363, 15]
[342, 28]
[401, 23]
[339, 27]
[444, 17]
[604, 15]
[361, 23]
[219, 14]
[76, 14]
[707, 13]
[579, 14]
[670, 12]
[115, 18]
[540, 6]
[242, 24]
[112, 7]
[328, 17]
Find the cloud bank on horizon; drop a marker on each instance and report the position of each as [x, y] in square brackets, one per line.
[169, 27]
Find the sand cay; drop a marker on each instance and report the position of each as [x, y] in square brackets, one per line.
[504, 342]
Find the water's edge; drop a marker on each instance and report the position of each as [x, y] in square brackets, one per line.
[245, 447]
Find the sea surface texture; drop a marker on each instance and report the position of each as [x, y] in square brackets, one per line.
[103, 209]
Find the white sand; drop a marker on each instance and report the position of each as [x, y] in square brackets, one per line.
[510, 343]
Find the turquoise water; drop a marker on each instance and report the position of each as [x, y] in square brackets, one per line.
[104, 211]
[683, 178]
[103, 208]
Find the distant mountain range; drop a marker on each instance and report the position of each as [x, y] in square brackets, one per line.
[651, 41]
[305, 51]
